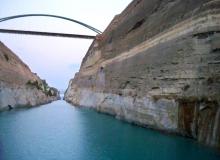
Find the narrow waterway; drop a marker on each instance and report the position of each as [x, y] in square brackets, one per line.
[59, 131]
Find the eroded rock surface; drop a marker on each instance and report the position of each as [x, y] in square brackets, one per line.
[19, 86]
[157, 65]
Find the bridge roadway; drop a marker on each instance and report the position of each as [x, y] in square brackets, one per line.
[49, 33]
[46, 34]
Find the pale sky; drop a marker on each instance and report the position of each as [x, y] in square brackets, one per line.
[52, 58]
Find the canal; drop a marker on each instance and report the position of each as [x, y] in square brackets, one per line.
[59, 131]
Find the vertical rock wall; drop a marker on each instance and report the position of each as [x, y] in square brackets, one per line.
[19, 86]
[157, 65]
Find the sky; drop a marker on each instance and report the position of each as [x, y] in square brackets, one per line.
[53, 58]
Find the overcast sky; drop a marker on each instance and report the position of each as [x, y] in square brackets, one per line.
[52, 58]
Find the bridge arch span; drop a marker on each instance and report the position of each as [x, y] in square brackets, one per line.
[50, 15]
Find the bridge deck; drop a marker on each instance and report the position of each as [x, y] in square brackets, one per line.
[46, 34]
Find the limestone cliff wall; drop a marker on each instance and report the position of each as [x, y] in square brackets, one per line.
[157, 65]
[18, 85]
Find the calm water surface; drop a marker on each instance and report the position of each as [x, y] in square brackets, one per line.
[58, 131]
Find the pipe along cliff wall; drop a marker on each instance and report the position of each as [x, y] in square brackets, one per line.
[19, 87]
[157, 65]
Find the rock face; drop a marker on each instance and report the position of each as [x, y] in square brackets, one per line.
[157, 65]
[19, 86]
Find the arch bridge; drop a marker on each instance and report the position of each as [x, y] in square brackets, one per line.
[49, 33]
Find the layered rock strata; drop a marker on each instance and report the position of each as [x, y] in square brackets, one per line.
[157, 65]
[20, 87]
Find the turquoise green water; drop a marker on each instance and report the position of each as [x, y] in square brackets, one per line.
[58, 131]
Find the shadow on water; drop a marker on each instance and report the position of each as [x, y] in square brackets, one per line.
[1, 150]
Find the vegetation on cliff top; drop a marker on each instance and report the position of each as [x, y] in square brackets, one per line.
[43, 86]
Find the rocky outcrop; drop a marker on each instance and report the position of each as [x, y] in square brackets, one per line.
[157, 65]
[20, 87]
